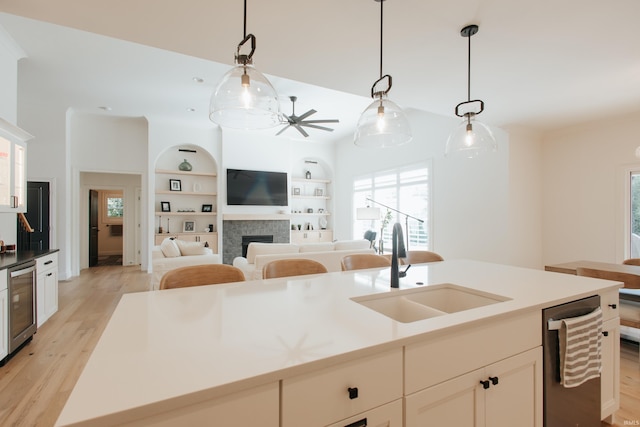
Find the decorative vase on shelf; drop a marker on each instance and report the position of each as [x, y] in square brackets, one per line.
[308, 175]
[185, 166]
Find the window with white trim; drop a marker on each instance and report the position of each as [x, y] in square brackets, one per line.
[407, 190]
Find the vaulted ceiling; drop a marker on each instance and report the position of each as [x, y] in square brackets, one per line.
[542, 64]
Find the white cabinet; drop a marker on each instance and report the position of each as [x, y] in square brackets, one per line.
[318, 236]
[610, 372]
[46, 287]
[255, 407]
[4, 315]
[13, 164]
[342, 391]
[504, 394]
[389, 415]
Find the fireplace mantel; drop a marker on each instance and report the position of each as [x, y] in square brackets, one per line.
[255, 217]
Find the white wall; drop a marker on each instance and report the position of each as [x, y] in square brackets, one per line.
[583, 189]
[525, 198]
[473, 203]
[262, 150]
[105, 144]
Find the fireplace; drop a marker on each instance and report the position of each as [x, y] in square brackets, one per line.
[264, 238]
[235, 228]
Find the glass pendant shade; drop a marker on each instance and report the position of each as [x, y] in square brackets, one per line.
[245, 99]
[470, 139]
[382, 124]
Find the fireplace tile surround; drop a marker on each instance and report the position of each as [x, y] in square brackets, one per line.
[234, 229]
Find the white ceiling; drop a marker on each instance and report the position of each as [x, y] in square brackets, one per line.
[542, 64]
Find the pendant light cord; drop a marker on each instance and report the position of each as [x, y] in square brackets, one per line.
[244, 35]
[381, 26]
[468, 69]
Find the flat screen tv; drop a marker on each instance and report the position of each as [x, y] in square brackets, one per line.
[256, 188]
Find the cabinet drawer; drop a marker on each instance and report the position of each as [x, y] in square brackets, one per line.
[456, 353]
[389, 415]
[607, 301]
[323, 397]
[47, 261]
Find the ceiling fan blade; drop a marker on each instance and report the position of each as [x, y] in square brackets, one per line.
[306, 124]
[302, 131]
[305, 115]
[323, 121]
[283, 129]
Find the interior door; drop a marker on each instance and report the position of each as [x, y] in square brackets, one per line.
[37, 214]
[94, 205]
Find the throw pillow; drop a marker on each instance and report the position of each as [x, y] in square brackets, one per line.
[169, 248]
[191, 248]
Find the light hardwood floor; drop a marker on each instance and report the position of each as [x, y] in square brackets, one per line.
[37, 381]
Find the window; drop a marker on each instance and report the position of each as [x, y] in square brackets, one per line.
[406, 190]
[634, 242]
[112, 207]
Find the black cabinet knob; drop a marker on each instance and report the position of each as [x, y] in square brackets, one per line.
[353, 392]
[494, 380]
[485, 384]
[614, 306]
[605, 333]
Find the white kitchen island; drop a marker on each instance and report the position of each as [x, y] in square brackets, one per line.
[299, 351]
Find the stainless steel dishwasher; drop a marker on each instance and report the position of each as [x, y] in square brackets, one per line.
[567, 407]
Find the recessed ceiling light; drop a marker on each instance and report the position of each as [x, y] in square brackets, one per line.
[198, 79]
[105, 108]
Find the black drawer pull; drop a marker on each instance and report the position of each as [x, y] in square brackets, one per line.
[485, 384]
[353, 393]
[494, 380]
[359, 423]
[50, 274]
[605, 333]
[48, 262]
[614, 306]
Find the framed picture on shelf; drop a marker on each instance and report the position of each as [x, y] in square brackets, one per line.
[165, 206]
[296, 191]
[189, 227]
[318, 192]
[207, 208]
[175, 185]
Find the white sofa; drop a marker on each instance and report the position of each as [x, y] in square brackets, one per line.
[173, 254]
[329, 254]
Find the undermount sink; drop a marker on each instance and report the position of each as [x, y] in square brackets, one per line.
[411, 305]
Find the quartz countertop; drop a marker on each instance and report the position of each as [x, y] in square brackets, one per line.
[172, 347]
[10, 259]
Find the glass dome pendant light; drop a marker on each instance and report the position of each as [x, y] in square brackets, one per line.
[471, 137]
[244, 98]
[382, 123]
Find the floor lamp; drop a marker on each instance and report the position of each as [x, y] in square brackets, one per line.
[406, 219]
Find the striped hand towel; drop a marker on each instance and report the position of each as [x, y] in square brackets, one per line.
[580, 343]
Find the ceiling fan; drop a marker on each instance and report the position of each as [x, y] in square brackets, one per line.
[299, 121]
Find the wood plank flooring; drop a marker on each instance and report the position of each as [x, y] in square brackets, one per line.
[36, 382]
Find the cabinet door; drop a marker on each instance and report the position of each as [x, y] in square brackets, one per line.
[610, 375]
[6, 160]
[50, 292]
[20, 177]
[510, 396]
[516, 399]
[4, 322]
[457, 402]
